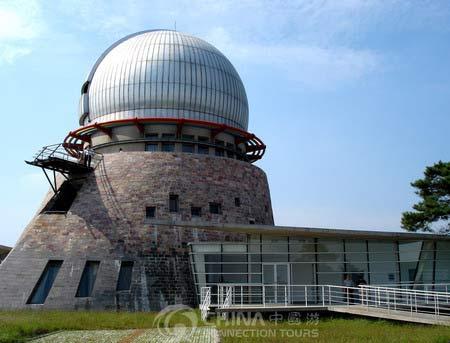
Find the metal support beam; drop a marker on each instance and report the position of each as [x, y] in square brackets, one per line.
[216, 131]
[50, 182]
[105, 130]
[86, 139]
[180, 125]
[73, 146]
[139, 126]
[252, 148]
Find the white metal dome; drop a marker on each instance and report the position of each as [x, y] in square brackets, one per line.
[164, 74]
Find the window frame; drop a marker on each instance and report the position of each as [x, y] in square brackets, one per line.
[94, 273]
[174, 199]
[213, 205]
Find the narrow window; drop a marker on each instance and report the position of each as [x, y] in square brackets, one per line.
[219, 152]
[173, 203]
[215, 208]
[151, 147]
[251, 221]
[230, 153]
[188, 138]
[168, 136]
[125, 274]
[150, 212]
[186, 147]
[168, 147]
[88, 279]
[85, 87]
[237, 202]
[152, 136]
[203, 149]
[45, 283]
[196, 211]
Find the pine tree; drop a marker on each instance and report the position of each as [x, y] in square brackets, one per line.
[433, 212]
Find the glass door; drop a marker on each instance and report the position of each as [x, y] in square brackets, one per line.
[276, 282]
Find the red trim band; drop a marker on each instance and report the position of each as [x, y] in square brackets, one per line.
[255, 148]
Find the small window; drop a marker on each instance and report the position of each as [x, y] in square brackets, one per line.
[203, 139]
[125, 276]
[219, 152]
[266, 208]
[88, 279]
[237, 202]
[196, 211]
[151, 147]
[150, 212]
[215, 208]
[173, 203]
[85, 87]
[251, 221]
[188, 137]
[203, 149]
[219, 142]
[187, 148]
[168, 136]
[168, 147]
[45, 283]
[152, 136]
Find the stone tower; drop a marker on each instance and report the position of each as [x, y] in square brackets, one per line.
[167, 115]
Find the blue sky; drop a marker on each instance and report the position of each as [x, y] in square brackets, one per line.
[351, 97]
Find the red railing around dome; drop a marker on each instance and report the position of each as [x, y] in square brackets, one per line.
[73, 143]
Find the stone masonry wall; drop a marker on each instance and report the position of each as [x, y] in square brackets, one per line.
[107, 223]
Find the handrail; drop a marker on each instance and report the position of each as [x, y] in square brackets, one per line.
[205, 302]
[228, 297]
[414, 302]
[403, 290]
[58, 152]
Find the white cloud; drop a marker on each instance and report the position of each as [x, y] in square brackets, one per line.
[311, 65]
[309, 42]
[20, 24]
[9, 52]
[109, 18]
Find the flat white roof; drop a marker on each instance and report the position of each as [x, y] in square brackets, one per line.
[312, 232]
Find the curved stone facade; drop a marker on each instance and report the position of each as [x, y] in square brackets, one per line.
[107, 223]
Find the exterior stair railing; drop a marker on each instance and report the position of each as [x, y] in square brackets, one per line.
[405, 302]
[205, 299]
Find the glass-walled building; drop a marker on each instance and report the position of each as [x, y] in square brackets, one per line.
[376, 258]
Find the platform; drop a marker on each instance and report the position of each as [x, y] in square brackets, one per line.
[60, 165]
[56, 159]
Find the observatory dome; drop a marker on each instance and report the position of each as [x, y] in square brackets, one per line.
[164, 74]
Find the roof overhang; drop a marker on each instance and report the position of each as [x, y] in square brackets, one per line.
[310, 232]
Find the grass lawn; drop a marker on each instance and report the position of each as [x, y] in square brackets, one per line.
[17, 326]
[335, 330]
